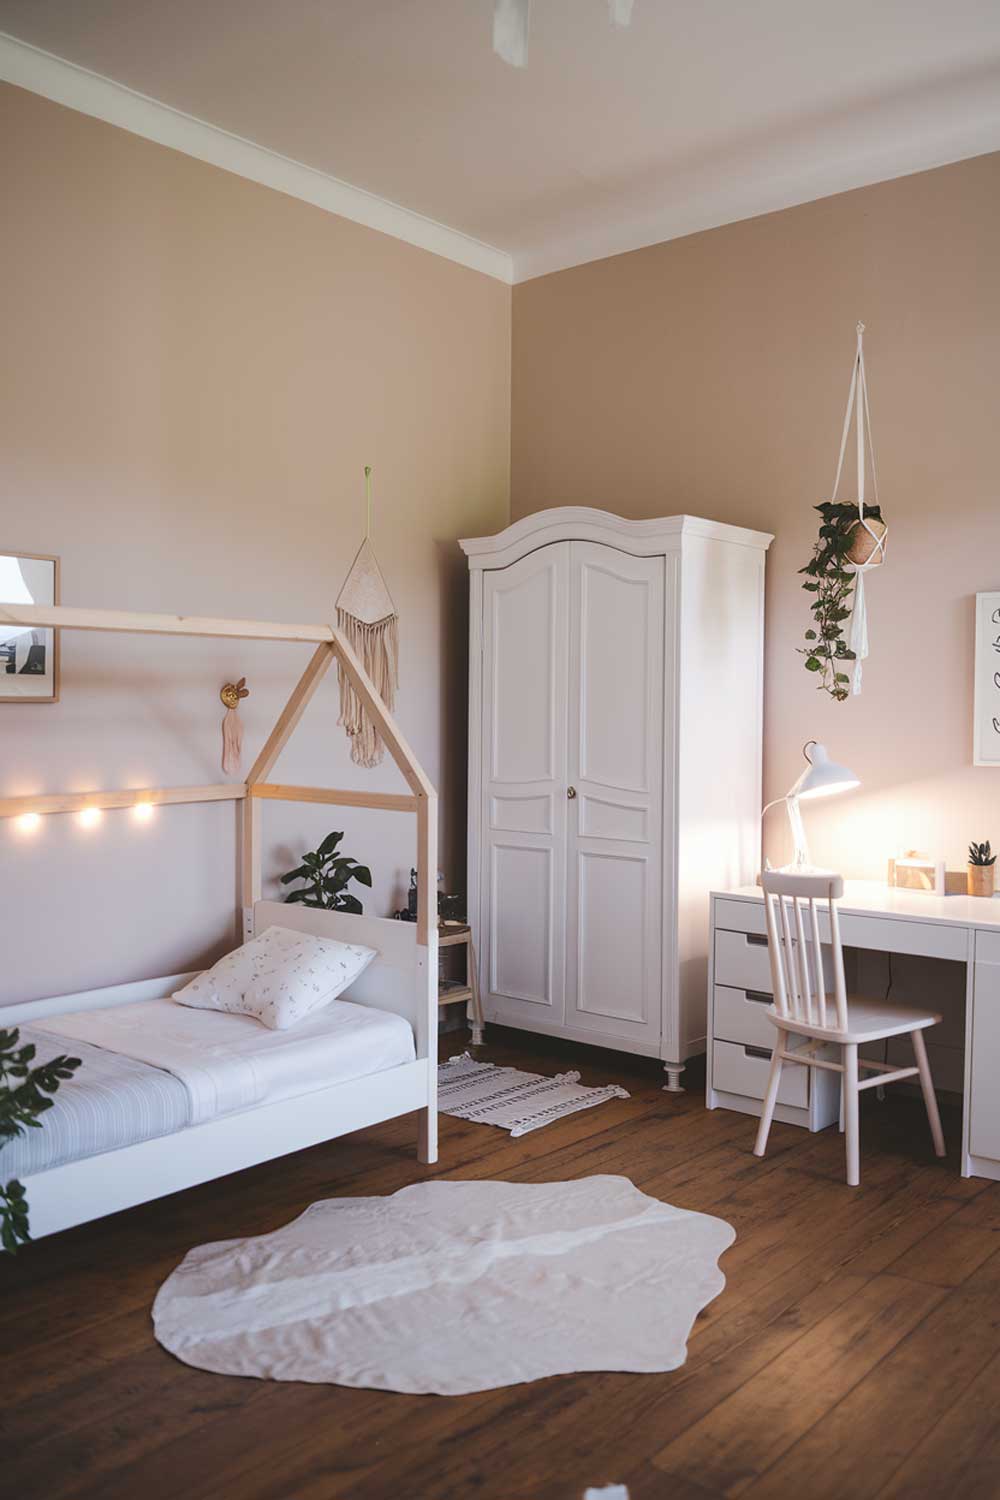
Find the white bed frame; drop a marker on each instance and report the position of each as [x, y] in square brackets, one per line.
[114, 1180]
[403, 979]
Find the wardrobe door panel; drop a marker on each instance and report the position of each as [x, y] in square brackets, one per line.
[525, 663]
[615, 766]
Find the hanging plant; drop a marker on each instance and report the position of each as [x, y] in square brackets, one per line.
[829, 578]
[852, 538]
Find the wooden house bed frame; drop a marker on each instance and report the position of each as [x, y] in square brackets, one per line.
[403, 979]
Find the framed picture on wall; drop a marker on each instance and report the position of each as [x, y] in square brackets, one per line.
[29, 658]
[986, 727]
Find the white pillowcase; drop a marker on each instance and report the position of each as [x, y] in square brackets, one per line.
[279, 978]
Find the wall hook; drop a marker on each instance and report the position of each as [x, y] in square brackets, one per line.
[233, 692]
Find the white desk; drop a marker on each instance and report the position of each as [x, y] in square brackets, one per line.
[964, 929]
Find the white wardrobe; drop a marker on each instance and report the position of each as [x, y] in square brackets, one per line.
[615, 702]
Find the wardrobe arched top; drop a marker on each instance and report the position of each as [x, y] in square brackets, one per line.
[576, 523]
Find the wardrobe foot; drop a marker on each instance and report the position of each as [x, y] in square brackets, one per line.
[673, 1084]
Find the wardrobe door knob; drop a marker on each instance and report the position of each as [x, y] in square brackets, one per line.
[571, 792]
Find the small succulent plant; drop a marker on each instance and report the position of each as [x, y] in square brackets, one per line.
[981, 854]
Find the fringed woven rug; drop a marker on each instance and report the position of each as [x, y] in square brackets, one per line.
[515, 1101]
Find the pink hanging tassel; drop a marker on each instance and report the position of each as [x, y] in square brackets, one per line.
[232, 726]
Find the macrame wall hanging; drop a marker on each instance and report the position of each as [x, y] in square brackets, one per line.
[368, 618]
[852, 541]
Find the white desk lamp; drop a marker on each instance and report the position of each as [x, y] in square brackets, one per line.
[822, 777]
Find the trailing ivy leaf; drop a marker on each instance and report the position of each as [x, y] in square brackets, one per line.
[813, 664]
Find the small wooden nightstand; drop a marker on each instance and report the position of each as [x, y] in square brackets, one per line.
[450, 935]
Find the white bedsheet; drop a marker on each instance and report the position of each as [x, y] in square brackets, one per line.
[228, 1062]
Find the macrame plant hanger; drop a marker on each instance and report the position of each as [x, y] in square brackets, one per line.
[866, 553]
[368, 618]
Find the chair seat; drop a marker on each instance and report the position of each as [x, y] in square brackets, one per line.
[867, 1021]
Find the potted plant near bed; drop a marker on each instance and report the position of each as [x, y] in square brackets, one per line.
[981, 871]
[327, 874]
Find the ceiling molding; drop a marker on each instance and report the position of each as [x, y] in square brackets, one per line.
[91, 94]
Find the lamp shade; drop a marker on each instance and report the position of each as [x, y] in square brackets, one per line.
[822, 777]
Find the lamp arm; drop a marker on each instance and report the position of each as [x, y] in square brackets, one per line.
[800, 859]
[763, 812]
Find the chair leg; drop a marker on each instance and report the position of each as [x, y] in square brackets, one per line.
[927, 1088]
[851, 1113]
[771, 1096]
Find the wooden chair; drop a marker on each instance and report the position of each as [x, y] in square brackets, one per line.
[801, 1008]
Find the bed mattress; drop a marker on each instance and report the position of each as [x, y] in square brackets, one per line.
[155, 1067]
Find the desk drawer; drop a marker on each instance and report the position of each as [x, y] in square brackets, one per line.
[740, 916]
[988, 947]
[741, 1016]
[742, 960]
[735, 1070]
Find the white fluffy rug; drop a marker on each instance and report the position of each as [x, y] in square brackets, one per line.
[450, 1287]
[515, 1101]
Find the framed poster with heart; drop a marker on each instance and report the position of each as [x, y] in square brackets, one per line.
[29, 657]
[986, 726]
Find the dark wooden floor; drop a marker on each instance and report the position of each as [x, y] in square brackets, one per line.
[855, 1351]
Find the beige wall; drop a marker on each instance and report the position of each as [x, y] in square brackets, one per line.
[195, 370]
[710, 374]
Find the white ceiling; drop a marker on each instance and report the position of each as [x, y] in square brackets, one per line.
[700, 113]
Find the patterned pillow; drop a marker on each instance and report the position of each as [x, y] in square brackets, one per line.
[279, 978]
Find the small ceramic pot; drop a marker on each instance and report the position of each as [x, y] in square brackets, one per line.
[981, 880]
[863, 544]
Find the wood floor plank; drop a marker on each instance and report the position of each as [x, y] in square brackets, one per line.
[748, 1431]
[964, 1444]
[867, 1437]
[948, 1256]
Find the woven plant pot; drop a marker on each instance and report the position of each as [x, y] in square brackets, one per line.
[863, 544]
[981, 880]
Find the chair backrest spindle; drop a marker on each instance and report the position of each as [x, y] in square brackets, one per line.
[795, 947]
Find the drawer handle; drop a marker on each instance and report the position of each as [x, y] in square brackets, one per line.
[762, 1052]
[759, 997]
[759, 939]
